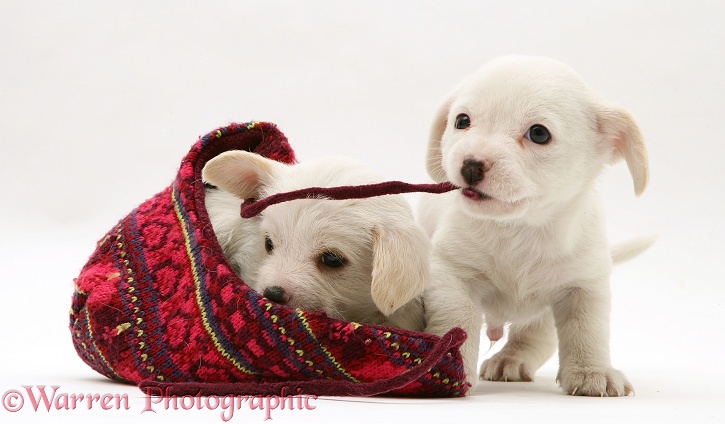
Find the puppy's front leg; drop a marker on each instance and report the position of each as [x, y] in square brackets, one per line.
[449, 304]
[582, 321]
[526, 350]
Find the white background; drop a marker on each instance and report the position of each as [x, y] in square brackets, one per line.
[99, 101]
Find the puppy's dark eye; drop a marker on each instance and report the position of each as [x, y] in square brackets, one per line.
[332, 260]
[268, 245]
[463, 121]
[538, 134]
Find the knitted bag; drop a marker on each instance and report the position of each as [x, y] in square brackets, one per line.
[158, 305]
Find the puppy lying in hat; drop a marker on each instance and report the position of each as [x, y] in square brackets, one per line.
[363, 260]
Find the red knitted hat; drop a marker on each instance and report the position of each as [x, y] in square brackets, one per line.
[158, 305]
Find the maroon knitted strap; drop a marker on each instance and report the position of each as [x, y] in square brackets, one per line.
[451, 340]
[251, 207]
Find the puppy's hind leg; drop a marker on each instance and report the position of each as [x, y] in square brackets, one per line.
[526, 350]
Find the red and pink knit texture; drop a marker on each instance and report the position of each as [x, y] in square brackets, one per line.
[158, 305]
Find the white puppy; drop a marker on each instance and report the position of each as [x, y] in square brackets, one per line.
[523, 240]
[361, 260]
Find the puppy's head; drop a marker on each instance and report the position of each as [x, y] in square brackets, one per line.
[524, 135]
[352, 259]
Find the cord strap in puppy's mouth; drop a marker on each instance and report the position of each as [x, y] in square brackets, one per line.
[251, 207]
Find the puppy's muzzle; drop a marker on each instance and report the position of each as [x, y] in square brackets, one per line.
[276, 294]
[473, 171]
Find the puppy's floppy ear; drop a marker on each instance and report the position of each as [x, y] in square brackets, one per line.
[625, 140]
[401, 268]
[240, 173]
[434, 156]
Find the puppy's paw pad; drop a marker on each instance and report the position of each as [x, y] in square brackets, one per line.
[594, 381]
[505, 367]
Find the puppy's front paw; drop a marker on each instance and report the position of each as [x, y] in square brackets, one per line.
[506, 367]
[594, 381]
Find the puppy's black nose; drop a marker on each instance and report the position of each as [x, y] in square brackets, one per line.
[472, 171]
[276, 294]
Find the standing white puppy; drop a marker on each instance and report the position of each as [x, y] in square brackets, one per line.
[524, 240]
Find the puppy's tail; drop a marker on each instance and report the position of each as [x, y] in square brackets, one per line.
[630, 249]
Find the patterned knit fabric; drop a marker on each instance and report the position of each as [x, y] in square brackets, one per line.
[158, 305]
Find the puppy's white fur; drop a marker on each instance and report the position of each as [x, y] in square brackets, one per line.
[533, 252]
[386, 252]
